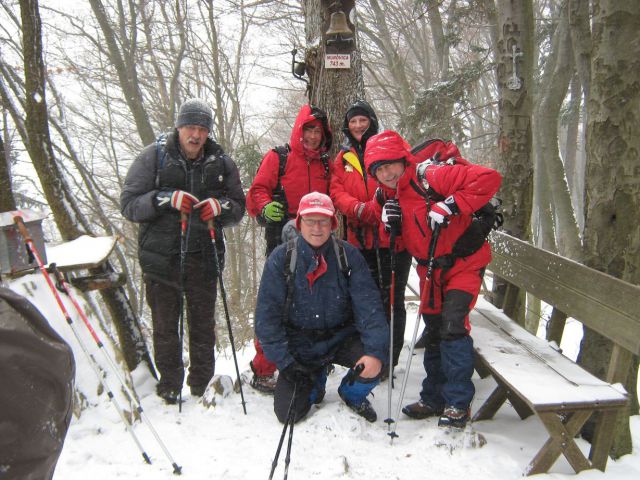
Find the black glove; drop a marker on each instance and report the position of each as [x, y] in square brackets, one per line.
[297, 373]
[392, 217]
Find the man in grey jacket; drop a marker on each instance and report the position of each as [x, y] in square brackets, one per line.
[175, 189]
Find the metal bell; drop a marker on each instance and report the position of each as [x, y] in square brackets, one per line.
[338, 25]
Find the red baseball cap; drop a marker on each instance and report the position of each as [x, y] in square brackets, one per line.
[319, 204]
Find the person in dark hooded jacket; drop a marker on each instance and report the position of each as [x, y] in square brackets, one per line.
[274, 197]
[175, 189]
[319, 314]
[354, 193]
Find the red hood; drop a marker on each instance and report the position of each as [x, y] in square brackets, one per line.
[307, 114]
[386, 146]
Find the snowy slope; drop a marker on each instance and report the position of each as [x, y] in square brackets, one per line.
[221, 442]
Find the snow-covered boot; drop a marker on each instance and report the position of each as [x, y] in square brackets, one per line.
[420, 410]
[454, 417]
[263, 383]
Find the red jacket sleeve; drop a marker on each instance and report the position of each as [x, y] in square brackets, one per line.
[266, 179]
[472, 186]
[342, 199]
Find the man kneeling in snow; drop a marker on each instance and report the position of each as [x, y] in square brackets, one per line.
[318, 305]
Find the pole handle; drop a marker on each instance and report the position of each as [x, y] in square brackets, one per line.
[184, 218]
[19, 221]
[212, 230]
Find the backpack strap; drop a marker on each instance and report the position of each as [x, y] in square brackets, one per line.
[341, 255]
[325, 163]
[290, 260]
[161, 155]
[283, 153]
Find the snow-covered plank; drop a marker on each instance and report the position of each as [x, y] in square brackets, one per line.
[544, 377]
[604, 303]
[83, 252]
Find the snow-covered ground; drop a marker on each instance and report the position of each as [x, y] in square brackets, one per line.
[333, 442]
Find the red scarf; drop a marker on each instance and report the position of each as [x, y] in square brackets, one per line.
[320, 269]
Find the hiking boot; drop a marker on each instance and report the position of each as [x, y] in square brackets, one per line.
[168, 394]
[420, 410]
[264, 383]
[454, 417]
[365, 410]
[197, 390]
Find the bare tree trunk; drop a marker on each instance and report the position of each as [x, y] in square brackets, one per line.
[515, 107]
[581, 41]
[515, 86]
[70, 221]
[611, 239]
[558, 72]
[332, 89]
[573, 160]
[124, 61]
[7, 202]
[67, 216]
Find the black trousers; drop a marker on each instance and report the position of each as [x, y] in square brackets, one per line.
[402, 268]
[164, 299]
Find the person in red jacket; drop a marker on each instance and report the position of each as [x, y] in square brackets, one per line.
[353, 192]
[440, 194]
[285, 175]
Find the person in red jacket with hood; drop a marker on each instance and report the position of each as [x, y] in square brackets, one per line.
[353, 192]
[439, 194]
[285, 175]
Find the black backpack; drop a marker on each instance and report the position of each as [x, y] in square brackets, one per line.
[36, 399]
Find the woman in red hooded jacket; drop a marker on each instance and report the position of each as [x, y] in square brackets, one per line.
[353, 192]
[443, 195]
[285, 175]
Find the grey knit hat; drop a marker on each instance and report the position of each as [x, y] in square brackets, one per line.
[195, 112]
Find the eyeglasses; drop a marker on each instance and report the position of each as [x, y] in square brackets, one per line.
[322, 222]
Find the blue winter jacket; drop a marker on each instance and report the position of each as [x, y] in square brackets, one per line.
[320, 318]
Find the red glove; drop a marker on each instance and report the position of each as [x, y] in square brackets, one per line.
[209, 209]
[183, 201]
[440, 212]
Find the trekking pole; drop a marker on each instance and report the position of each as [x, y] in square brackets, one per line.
[183, 257]
[287, 458]
[291, 417]
[216, 261]
[427, 280]
[392, 246]
[66, 289]
[92, 361]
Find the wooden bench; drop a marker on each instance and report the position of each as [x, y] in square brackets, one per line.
[537, 378]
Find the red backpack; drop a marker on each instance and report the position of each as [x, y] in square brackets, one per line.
[485, 219]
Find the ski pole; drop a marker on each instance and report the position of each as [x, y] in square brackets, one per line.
[216, 261]
[66, 289]
[94, 364]
[290, 420]
[427, 280]
[287, 458]
[183, 256]
[392, 246]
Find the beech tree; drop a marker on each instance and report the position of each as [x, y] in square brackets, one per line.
[611, 240]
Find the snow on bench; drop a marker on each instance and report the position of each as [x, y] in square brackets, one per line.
[537, 378]
[533, 376]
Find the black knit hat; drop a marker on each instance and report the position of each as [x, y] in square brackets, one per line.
[195, 112]
[358, 110]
